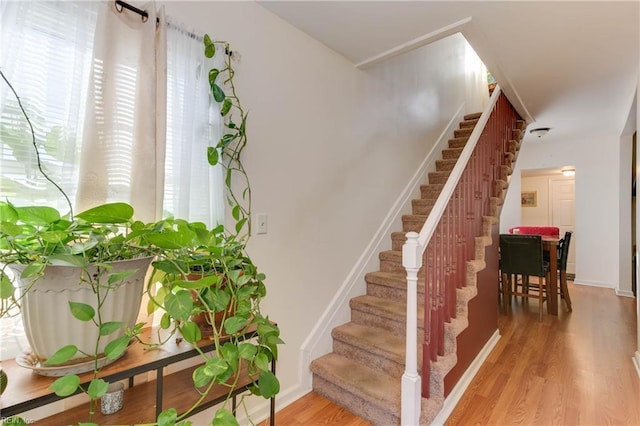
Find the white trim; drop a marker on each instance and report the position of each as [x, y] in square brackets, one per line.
[319, 340]
[458, 391]
[625, 293]
[415, 43]
[636, 362]
[593, 283]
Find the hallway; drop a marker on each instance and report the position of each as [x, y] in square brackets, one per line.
[574, 369]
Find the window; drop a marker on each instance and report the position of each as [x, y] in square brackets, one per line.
[47, 54]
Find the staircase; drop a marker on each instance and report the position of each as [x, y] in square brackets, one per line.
[364, 371]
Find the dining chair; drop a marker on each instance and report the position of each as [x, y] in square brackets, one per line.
[522, 255]
[563, 256]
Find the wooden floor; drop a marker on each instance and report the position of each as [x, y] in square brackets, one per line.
[573, 369]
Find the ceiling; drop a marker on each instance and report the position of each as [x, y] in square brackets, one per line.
[571, 66]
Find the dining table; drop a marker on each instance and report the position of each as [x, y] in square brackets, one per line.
[550, 245]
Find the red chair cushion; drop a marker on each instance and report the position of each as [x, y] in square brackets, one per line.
[537, 230]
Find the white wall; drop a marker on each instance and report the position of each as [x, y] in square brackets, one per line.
[330, 148]
[598, 199]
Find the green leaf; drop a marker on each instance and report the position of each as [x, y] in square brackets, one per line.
[212, 155]
[97, 388]
[38, 215]
[62, 355]
[10, 229]
[226, 107]
[82, 311]
[108, 213]
[66, 385]
[201, 376]
[224, 417]
[209, 47]
[240, 224]
[191, 332]
[213, 74]
[262, 361]
[8, 212]
[218, 93]
[117, 277]
[116, 348]
[179, 305]
[268, 384]
[234, 324]
[63, 259]
[235, 212]
[6, 287]
[110, 327]
[216, 366]
[32, 269]
[54, 237]
[204, 282]
[168, 417]
[166, 266]
[229, 351]
[247, 350]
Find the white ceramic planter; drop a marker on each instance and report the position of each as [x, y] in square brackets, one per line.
[49, 324]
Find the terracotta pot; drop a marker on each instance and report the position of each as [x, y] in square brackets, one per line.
[203, 319]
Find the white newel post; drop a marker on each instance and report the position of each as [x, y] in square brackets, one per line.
[411, 382]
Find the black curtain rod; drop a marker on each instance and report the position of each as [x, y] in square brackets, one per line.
[145, 17]
[142, 13]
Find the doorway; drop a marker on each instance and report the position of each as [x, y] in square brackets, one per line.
[554, 194]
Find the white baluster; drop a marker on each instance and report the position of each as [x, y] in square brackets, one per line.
[411, 381]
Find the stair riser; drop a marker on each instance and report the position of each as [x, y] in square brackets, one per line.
[364, 357]
[451, 154]
[458, 143]
[445, 165]
[438, 177]
[397, 240]
[462, 133]
[392, 266]
[412, 225]
[395, 326]
[391, 293]
[468, 124]
[358, 406]
[422, 206]
[430, 192]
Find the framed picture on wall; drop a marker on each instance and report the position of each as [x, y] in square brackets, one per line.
[529, 199]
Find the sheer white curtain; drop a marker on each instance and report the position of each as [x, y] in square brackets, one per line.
[45, 52]
[195, 124]
[124, 140]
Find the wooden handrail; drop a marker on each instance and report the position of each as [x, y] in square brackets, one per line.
[447, 242]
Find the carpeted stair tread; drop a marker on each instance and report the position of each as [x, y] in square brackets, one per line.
[391, 309]
[451, 153]
[445, 165]
[431, 191]
[468, 123]
[392, 281]
[460, 133]
[375, 340]
[359, 380]
[457, 143]
[472, 116]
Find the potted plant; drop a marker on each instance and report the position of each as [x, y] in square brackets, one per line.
[200, 271]
[94, 263]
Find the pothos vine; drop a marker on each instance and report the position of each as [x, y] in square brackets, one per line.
[227, 151]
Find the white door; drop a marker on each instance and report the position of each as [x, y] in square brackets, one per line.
[563, 201]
